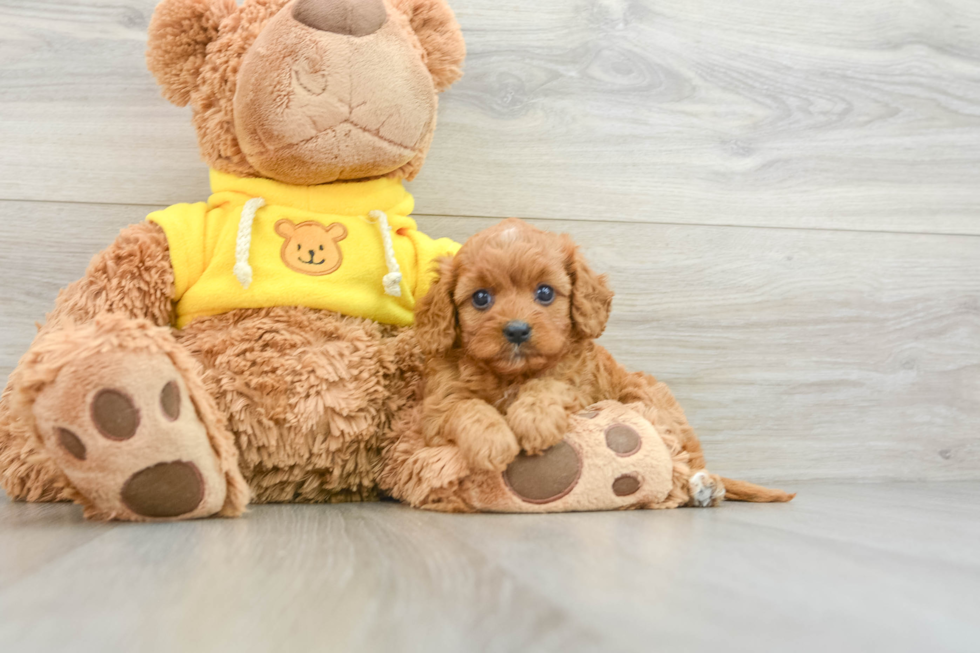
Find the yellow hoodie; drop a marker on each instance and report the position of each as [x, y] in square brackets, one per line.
[348, 247]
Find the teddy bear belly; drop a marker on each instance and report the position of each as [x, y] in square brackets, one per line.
[306, 394]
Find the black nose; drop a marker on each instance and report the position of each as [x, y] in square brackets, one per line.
[312, 254]
[517, 331]
[348, 17]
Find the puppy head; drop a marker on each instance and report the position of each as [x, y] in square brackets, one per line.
[514, 298]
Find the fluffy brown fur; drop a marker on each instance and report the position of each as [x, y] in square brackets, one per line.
[283, 109]
[492, 397]
[305, 395]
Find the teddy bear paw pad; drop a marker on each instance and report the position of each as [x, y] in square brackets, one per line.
[611, 459]
[125, 431]
[164, 490]
[546, 477]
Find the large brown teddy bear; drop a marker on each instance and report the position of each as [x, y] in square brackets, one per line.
[253, 347]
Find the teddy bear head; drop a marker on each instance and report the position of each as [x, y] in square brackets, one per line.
[308, 91]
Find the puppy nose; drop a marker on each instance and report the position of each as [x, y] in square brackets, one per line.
[347, 17]
[517, 331]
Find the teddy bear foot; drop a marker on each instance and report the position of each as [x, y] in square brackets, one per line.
[125, 431]
[611, 459]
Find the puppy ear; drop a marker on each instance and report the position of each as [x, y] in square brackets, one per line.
[437, 30]
[591, 295]
[180, 31]
[436, 325]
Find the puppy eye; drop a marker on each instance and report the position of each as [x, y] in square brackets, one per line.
[482, 300]
[545, 294]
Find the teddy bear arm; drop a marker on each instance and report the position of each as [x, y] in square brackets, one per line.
[132, 277]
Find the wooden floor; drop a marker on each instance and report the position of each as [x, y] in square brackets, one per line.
[875, 567]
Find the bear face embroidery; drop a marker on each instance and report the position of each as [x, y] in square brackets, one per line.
[310, 248]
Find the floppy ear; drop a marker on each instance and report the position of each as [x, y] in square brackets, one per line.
[180, 31]
[591, 295]
[436, 325]
[437, 30]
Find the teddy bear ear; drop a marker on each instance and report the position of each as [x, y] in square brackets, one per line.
[180, 31]
[285, 228]
[437, 30]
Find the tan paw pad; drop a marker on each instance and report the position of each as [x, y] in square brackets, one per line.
[125, 431]
[611, 458]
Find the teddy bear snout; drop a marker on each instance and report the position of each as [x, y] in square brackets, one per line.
[347, 17]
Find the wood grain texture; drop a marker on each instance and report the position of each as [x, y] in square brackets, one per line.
[761, 112]
[31, 536]
[797, 354]
[842, 568]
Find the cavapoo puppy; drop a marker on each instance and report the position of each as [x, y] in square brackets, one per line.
[508, 331]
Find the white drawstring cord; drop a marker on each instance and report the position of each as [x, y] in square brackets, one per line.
[392, 281]
[243, 271]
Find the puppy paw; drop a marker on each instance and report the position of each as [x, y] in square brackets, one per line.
[706, 490]
[537, 424]
[491, 448]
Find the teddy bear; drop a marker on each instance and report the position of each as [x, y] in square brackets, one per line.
[258, 346]
[254, 346]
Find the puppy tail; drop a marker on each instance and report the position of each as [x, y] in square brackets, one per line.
[745, 491]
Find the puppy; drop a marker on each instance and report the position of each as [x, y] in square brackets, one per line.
[508, 330]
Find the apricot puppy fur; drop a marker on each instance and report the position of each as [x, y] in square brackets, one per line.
[508, 331]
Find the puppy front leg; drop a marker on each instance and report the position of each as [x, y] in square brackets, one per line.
[481, 434]
[539, 415]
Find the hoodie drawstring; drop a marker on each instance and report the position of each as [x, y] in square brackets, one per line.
[392, 281]
[243, 244]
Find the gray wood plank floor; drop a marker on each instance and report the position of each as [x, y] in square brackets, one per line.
[846, 567]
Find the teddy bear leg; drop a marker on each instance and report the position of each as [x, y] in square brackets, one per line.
[25, 474]
[118, 407]
[612, 458]
[704, 489]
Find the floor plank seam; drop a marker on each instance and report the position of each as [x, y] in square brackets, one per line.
[664, 223]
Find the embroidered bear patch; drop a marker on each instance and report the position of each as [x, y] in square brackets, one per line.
[310, 248]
